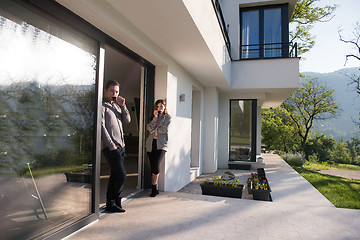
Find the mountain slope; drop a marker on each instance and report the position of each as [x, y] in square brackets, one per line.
[342, 127]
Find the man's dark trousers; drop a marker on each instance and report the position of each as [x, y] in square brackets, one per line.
[117, 178]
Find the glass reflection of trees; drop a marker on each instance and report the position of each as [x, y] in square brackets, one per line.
[47, 126]
[240, 129]
[46, 116]
[47, 107]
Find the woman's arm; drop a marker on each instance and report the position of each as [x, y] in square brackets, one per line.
[164, 125]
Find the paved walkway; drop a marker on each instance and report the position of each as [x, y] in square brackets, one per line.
[298, 211]
[343, 173]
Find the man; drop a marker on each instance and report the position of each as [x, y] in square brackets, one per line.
[114, 113]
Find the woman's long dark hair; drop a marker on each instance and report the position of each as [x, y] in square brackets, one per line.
[163, 103]
[155, 107]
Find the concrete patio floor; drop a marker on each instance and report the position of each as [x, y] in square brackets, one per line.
[298, 211]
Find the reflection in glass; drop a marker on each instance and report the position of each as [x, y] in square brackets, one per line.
[250, 34]
[240, 130]
[272, 32]
[47, 103]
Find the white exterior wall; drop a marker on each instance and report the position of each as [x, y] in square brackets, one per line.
[201, 62]
[205, 19]
[211, 130]
[224, 123]
[175, 170]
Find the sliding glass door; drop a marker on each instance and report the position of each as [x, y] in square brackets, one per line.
[47, 123]
[242, 130]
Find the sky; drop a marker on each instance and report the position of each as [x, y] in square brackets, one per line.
[328, 54]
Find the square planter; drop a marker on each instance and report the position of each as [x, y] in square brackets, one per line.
[261, 173]
[259, 194]
[222, 191]
[239, 166]
[78, 177]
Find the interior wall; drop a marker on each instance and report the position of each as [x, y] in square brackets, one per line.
[121, 68]
[127, 72]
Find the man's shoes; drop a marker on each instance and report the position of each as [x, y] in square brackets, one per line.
[114, 208]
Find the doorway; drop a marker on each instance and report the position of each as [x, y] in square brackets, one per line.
[130, 75]
[242, 130]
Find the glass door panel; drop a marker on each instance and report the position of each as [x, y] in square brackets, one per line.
[47, 117]
[272, 32]
[250, 34]
[240, 130]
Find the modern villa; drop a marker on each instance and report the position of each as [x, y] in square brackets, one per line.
[217, 63]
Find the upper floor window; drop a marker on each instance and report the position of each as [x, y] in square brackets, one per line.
[264, 32]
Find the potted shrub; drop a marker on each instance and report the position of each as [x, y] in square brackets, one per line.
[224, 186]
[261, 190]
[79, 176]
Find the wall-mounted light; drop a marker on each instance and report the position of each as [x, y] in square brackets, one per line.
[182, 97]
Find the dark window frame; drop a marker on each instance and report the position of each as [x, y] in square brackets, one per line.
[253, 127]
[284, 30]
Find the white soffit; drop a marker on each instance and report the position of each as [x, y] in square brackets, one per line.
[166, 23]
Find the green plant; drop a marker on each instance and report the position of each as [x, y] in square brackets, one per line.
[313, 158]
[204, 182]
[294, 159]
[219, 181]
[263, 185]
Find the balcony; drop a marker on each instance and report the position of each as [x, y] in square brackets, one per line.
[270, 50]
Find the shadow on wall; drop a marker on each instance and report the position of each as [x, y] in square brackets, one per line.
[177, 169]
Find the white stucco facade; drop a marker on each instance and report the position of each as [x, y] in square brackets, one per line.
[183, 39]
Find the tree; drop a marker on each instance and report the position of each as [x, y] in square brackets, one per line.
[354, 41]
[278, 130]
[340, 154]
[319, 146]
[305, 15]
[311, 102]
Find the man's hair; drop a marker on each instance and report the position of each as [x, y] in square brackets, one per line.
[111, 83]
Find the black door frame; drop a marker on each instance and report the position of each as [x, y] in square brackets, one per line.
[253, 126]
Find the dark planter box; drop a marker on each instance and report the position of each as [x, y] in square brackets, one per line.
[239, 166]
[222, 191]
[78, 177]
[261, 174]
[259, 194]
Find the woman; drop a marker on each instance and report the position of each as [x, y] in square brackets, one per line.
[156, 143]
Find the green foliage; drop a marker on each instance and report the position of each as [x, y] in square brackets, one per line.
[305, 15]
[310, 103]
[325, 165]
[263, 185]
[45, 125]
[343, 193]
[319, 147]
[278, 130]
[340, 154]
[354, 148]
[227, 179]
[218, 181]
[293, 158]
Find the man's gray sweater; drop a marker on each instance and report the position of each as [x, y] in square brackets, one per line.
[111, 124]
